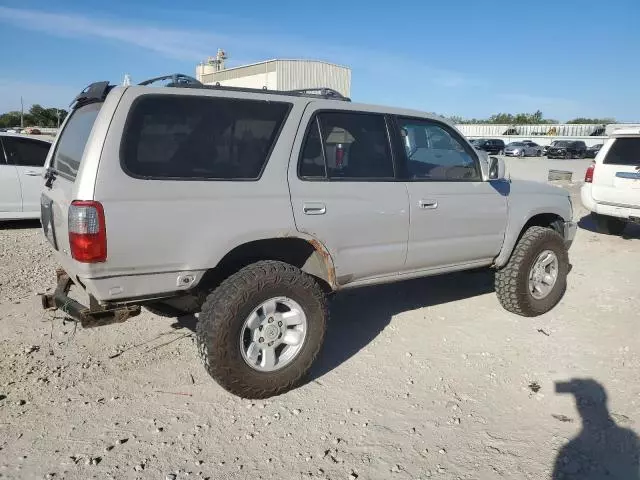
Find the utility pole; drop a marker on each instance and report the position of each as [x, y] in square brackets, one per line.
[58, 115]
[21, 113]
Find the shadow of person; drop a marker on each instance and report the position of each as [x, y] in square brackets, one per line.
[602, 449]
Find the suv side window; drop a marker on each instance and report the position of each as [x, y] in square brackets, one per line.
[437, 153]
[624, 151]
[182, 137]
[347, 146]
[25, 152]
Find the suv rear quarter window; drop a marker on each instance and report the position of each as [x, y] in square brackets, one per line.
[70, 147]
[624, 151]
[193, 137]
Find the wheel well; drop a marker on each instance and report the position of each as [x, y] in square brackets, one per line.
[547, 220]
[306, 255]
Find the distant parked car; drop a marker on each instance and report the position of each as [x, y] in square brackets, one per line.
[523, 149]
[546, 148]
[490, 145]
[31, 131]
[21, 168]
[568, 149]
[593, 150]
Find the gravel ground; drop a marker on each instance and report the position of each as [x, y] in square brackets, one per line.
[424, 379]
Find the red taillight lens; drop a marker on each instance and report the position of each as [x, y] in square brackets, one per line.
[87, 232]
[588, 177]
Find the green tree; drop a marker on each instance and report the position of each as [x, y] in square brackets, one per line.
[595, 121]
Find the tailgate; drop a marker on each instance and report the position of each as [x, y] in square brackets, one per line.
[617, 178]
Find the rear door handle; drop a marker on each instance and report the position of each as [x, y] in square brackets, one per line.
[32, 173]
[428, 204]
[314, 208]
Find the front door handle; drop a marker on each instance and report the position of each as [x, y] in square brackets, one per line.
[428, 204]
[314, 208]
[32, 173]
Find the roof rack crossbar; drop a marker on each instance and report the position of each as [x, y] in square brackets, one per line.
[177, 80]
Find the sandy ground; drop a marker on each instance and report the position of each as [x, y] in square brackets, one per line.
[423, 379]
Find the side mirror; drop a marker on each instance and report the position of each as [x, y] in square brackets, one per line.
[497, 168]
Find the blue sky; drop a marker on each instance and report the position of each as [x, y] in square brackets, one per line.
[473, 58]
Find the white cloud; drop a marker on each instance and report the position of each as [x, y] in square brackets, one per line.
[196, 45]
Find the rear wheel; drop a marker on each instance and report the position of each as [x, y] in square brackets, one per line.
[262, 328]
[608, 225]
[535, 278]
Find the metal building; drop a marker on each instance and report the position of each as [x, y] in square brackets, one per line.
[276, 74]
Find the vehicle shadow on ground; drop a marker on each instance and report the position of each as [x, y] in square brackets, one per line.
[19, 224]
[631, 232]
[602, 449]
[358, 316]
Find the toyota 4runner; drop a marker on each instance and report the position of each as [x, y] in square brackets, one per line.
[247, 207]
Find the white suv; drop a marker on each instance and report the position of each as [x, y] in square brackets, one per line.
[612, 183]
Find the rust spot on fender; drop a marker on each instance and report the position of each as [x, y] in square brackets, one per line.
[331, 271]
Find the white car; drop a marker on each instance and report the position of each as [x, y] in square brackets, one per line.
[21, 169]
[612, 183]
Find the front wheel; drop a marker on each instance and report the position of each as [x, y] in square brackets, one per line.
[539, 153]
[261, 329]
[608, 225]
[521, 154]
[535, 278]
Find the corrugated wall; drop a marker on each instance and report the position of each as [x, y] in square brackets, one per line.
[296, 74]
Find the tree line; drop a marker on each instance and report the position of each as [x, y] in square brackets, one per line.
[536, 118]
[37, 116]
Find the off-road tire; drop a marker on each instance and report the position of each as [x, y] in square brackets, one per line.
[608, 225]
[225, 311]
[512, 281]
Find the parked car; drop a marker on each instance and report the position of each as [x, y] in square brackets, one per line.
[611, 190]
[523, 149]
[21, 168]
[593, 150]
[490, 145]
[31, 131]
[567, 149]
[249, 206]
[546, 148]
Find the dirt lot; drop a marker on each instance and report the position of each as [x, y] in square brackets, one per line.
[424, 379]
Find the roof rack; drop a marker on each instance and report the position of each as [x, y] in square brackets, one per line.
[185, 81]
[177, 80]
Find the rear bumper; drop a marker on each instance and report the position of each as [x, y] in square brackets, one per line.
[92, 316]
[626, 213]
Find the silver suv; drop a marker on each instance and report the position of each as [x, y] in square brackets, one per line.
[248, 207]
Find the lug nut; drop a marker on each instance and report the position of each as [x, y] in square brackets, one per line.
[261, 339]
[279, 324]
[271, 320]
[260, 328]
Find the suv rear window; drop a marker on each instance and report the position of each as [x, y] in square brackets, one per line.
[68, 155]
[624, 151]
[171, 136]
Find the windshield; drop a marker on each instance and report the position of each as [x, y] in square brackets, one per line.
[560, 143]
[516, 144]
[70, 148]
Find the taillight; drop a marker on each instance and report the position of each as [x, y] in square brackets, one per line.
[588, 177]
[87, 232]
